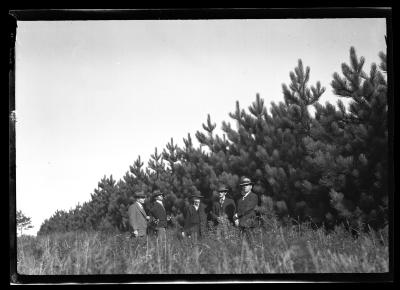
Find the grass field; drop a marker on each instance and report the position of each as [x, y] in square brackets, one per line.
[275, 249]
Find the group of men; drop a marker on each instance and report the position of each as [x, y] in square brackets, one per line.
[195, 215]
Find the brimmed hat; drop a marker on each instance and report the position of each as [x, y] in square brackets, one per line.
[222, 188]
[196, 195]
[157, 193]
[139, 194]
[245, 181]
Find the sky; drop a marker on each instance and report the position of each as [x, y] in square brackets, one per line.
[91, 96]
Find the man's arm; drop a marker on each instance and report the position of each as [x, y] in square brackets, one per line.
[187, 218]
[230, 209]
[184, 210]
[132, 217]
[203, 214]
[213, 211]
[155, 214]
[254, 200]
[233, 205]
[153, 211]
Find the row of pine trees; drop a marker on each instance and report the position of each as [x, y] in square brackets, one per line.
[329, 168]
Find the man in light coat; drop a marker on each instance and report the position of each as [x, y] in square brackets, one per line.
[138, 218]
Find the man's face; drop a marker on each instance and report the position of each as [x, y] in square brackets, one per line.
[246, 188]
[196, 201]
[141, 200]
[160, 197]
[222, 194]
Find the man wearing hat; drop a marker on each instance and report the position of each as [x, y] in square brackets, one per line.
[246, 214]
[195, 218]
[137, 217]
[223, 207]
[159, 215]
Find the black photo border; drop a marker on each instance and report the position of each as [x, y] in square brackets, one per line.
[187, 14]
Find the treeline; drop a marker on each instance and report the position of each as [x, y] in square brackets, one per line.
[331, 167]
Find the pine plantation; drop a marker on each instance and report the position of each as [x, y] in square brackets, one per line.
[330, 168]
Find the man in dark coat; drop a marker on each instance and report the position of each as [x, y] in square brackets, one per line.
[224, 207]
[138, 217]
[195, 218]
[246, 214]
[159, 215]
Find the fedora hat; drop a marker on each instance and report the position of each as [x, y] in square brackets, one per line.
[157, 193]
[196, 195]
[245, 181]
[139, 194]
[222, 188]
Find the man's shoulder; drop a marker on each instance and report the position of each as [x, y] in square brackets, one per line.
[253, 195]
[133, 206]
[132, 209]
[228, 199]
[156, 206]
[189, 208]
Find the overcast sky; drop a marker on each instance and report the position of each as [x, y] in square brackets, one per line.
[93, 95]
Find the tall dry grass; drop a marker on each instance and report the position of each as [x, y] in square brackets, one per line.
[273, 249]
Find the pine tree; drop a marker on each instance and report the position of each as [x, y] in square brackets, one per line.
[365, 194]
[23, 222]
[170, 153]
[209, 139]
[348, 150]
[101, 200]
[156, 171]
